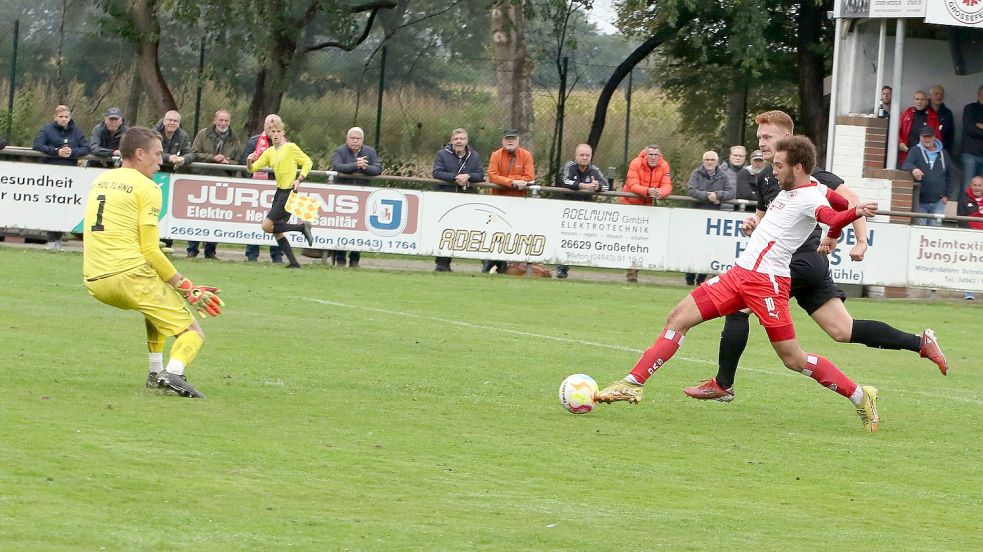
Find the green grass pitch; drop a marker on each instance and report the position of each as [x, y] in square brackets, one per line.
[375, 410]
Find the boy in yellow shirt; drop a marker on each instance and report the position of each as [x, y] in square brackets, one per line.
[284, 158]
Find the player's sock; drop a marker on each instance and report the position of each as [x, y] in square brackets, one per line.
[155, 345]
[829, 376]
[287, 250]
[156, 363]
[658, 354]
[877, 334]
[183, 351]
[281, 227]
[733, 340]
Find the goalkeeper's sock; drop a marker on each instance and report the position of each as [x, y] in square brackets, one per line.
[828, 375]
[281, 227]
[155, 345]
[287, 250]
[156, 363]
[183, 351]
[658, 354]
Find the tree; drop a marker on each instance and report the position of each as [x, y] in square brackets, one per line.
[513, 65]
[748, 45]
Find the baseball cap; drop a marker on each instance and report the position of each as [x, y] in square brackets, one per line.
[114, 113]
[756, 154]
[926, 131]
[510, 133]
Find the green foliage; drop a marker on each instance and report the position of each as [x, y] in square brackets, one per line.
[373, 410]
[722, 46]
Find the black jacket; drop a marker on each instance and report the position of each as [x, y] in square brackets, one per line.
[102, 143]
[448, 165]
[972, 135]
[179, 144]
[51, 137]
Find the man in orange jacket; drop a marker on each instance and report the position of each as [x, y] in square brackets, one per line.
[648, 176]
[510, 167]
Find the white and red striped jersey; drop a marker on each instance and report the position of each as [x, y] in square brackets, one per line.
[791, 217]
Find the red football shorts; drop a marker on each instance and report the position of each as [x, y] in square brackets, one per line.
[764, 294]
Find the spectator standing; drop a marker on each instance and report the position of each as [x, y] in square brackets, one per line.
[105, 137]
[459, 166]
[914, 118]
[648, 176]
[355, 158]
[734, 163]
[931, 166]
[947, 123]
[580, 175]
[258, 144]
[510, 166]
[292, 166]
[710, 187]
[750, 177]
[884, 109]
[215, 144]
[972, 144]
[63, 143]
[971, 205]
[177, 147]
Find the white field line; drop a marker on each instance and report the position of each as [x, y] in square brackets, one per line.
[588, 343]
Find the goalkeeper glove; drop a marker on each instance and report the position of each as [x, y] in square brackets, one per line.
[204, 299]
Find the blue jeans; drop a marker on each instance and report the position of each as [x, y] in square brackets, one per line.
[972, 166]
[252, 253]
[934, 207]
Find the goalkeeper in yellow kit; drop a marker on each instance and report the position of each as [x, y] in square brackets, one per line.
[124, 267]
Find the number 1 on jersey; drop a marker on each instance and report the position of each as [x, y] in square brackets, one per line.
[98, 227]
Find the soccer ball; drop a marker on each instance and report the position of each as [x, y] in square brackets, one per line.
[577, 393]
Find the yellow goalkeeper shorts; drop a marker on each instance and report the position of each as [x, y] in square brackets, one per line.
[140, 289]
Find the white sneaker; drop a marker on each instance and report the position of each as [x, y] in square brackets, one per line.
[969, 296]
[53, 245]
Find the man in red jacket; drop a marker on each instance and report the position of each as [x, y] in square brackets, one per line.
[648, 176]
[912, 120]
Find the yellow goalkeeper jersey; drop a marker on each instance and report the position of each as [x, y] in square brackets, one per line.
[120, 202]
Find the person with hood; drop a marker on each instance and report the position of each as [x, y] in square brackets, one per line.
[63, 143]
[710, 187]
[971, 205]
[649, 177]
[105, 136]
[913, 119]
[458, 165]
[931, 167]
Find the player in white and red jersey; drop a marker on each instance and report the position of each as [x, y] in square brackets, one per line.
[761, 282]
